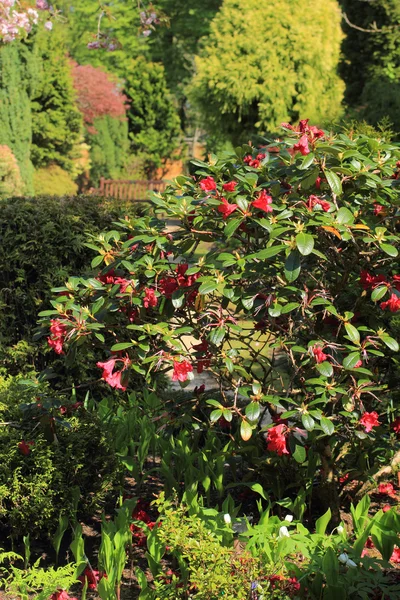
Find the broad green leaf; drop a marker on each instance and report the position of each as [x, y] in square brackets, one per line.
[390, 250]
[325, 368]
[352, 332]
[299, 454]
[268, 252]
[231, 227]
[305, 243]
[378, 293]
[344, 216]
[292, 266]
[322, 523]
[351, 360]
[207, 287]
[390, 342]
[253, 411]
[308, 422]
[121, 346]
[327, 426]
[215, 415]
[217, 335]
[334, 182]
[245, 430]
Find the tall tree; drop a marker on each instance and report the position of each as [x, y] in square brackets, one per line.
[371, 58]
[264, 63]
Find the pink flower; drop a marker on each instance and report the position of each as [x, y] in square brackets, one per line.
[386, 507]
[42, 5]
[113, 378]
[396, 425]
[395, 558]
[369, 420]
[150, 298]
[276, 438]
[263, 202]
[386, 489]
[92, 577]
[319, 355]
[378, 208]
[225, 208]
[48, 25]
[229, 187]
[208, 184]
[301, 146]
[181, 370]
[25, 447]
[358, 364]
[61, 595]
[58, 331]
[315, 201]
[393, 304]
[124, 284]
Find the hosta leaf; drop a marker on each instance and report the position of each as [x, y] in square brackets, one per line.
[305, 243]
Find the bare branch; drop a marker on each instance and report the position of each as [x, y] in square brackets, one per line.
[374, 27]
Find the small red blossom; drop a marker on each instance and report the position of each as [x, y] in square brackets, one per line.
[198, 390]
[315, 201]
[58, 331]
[386, 489]
[276, 438]
[386, 507]
[150, 298]
[319, 355]
[25, 447]
[108, 278]
[369, 421]
[181, 370]
[92, 577]
[252, 162]
[371, 281]
[396, 425]
[225, 208]
[113, 378]
[344, 478]
[395, 558]
[230, 186]
[208, 184]
[378, 209]
[301, 146]
[263, 202]
[61, 595]
[125, 285]
[393, 304]
[358, 364]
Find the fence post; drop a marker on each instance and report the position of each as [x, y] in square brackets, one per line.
[101, 186]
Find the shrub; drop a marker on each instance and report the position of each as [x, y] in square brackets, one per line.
[10, 177]
[294, 314]
[53, 181]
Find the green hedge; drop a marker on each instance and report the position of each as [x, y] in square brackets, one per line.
[41, 243]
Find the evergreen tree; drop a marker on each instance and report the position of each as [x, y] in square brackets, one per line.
[154, 127]
[267, 62]
[109, 148]
[371, 59]
[16, 81]
[56, 120]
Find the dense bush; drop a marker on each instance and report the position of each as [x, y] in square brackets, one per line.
[10, 176]
[258, 68]
[44, 458]
[294, 316]
[42, 241]
[53, 181]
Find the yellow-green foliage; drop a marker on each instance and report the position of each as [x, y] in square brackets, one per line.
[10, 177]
[54, 181]
[268, 62]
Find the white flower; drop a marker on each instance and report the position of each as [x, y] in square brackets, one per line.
[289, 518]
[283, 532]
[48, 25]
[227, 519]
[340, 529]
[351, 563]
[343, 558]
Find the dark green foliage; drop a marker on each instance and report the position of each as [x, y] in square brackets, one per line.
[109, 147]
[35, 489]
[16, 81]
[153, 121]
[371, 61]
[41, 242]
[56, 121]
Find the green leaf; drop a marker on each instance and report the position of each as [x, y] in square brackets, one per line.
[352, 332]
[351, 360]
[322, 523]
[253, 411]
[121, 346]
[231, 227]
[207, 287]
[334, 182]
[215, 415]
[325, 368]
[330, 566]
[390, 250]
[245, 430]
[287, 308]
[292, 266]
[178, 297]
[215, 403]
[268, 252]
[217, 335]
[305, 243]
[327, 426]
[307, 161]
[299, 454]
[390, 342]
[378, 293]
[344, 216]
[308, 422]
[96, 261]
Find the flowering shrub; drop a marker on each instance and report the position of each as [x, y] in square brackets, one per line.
[290, 308]
[16, 20]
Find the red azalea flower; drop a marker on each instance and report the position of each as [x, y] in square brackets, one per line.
[263, 202]
[396, 425]
[150, 298]
[315, 201]
[386, 489]
[393, 304]
[294, 584]
[378, 208]
[92, 577]
[395, 558]
[386, 507]
[58, 331]
[301, 146]
[181, 370]
[124, 284]
[318, 354]
[25, 447]
[369, 420]
[371, 281]
[230, 186]
[208, 184]
[113, 378]
[225, 208]
[167, 286]
[61, 595]
[276, 438]
[344, 478]
[108, 278]
[396, 282]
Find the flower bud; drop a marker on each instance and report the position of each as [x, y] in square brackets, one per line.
[283, 532]
[227, 519]
[343, 558]
[289, 518]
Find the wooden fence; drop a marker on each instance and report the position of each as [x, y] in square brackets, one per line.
[128, 189]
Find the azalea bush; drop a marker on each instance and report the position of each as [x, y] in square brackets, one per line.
[290, 308]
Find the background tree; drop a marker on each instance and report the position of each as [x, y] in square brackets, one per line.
[371, 59]
[264, 63]
[56, 120]
[10, 176]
